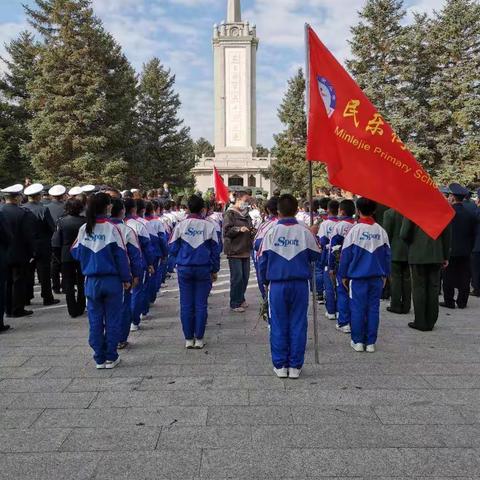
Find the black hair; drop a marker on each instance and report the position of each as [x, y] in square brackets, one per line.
[347, 206]
[130, 205]
[323, 202]
[73, 207]
[117, 207]
[272, 206]
[366, 207]
[277, 192]
[140, 205]
[97, 205]
[240, 194]
[196, 204]
[316, 205]
[128, 194]
[333, 207]
[149, 208]
[288, 205]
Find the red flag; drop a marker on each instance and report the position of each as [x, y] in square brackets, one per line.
[362, 152]
[221, 190]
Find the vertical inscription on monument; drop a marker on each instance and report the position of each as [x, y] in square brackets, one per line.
[235, 97]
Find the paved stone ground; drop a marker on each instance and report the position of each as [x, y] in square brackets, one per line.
[411, 410]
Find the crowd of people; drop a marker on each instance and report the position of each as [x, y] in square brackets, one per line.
[110, 252]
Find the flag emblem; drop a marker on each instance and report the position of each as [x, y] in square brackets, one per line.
[328, 95]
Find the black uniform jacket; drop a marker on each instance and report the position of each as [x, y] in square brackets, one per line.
[65, 235]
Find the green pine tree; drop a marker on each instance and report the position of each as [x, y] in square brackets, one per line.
[262, 151]
[14, 113]
[166, 152]
[455, 91]
[203, 147]
[290, 171]
[82, 97]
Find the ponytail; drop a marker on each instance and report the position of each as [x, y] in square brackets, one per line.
[97, 205]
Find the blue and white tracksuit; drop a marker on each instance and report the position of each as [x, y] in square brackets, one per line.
[218, 228]
[137, 267]
[167, 224]
[139, 293]
[159, 243]
[284, 263]
[257, 243]
[196, 253]
[340, 231]
[365, 261]
[173, 221]
[104, 262]
[325, 235]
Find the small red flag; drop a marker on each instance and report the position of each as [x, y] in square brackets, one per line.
[362, 152]
[221, 191]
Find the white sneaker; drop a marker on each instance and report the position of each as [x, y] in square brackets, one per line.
[189, 344]
[134, 328]
[294, 373]
[101, 366]
[344, 329]
[112, 364]
[199, 344]
[371, 348]
[238, 310]
[281, 372]
[358, 347]
[145, 316]
[331, 316]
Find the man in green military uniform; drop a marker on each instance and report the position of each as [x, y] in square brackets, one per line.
[400, 281]
[426, 258]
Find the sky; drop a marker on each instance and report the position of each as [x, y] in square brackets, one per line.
[179, 32]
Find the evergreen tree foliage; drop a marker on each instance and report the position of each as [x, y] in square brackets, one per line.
[262, 151]
[14, 113]
[166, 152]
[203, 147]
[82, 97]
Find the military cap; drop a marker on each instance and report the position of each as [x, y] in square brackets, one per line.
[75, 191]
[445, 190]
[88, 188]
[34, 189]
[57, 191]
[13, 189]
[457, 190]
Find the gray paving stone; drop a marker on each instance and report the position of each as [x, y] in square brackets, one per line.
[235, 368]
[167, 416]
[233, 436]
[88, 371]
[48, 466]
[132, 399]
[32, 440]
[13, 361]
[22, 372]
[36, 385]
[50, 400]
[164, 464]
[146, 371]
[129, 439]
[208, 398]
[18, 418]
[249, 416]
[453, 381]
[103, 384]
[84, 418]
[59, 361]
[420, 415]
[304, 415]
[176, 383]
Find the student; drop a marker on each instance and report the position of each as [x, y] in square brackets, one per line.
[102, 255]
[284, 262]
[195, 250]
[341, 229]
[139, 291]
[325, 235]
[364, 268]
[136, 266]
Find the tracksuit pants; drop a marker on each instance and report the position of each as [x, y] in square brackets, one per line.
[319, 278]
[138, 299]
[105, 303]
[126, 316]
[365, 295]
[343, 304]
[195, 284]
[330, 297]
[152, 283]
[288, 303]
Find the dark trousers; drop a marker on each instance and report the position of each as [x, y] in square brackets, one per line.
[3, 280]
[457, 276]
[55, 270]
[15, 297]
[239, 276]
[74, 287]
[476, 272]
[42, 267]
[425, 289]
[400, 287]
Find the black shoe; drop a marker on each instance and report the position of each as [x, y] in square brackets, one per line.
[447, 305]
[23, 313]
[412, 325]
[391, 310]
[4, 328]
[475, 293]
[54, 301]
[461, 307]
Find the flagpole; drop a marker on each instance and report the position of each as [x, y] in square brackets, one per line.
[310, 193]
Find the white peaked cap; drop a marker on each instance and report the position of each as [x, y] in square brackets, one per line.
[57, 191]
[88, 188]
[14, 189]
[75, 191]
[123, 192]
[133, 190]
[34, 189]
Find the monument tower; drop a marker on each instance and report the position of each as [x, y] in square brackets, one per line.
[235, 45]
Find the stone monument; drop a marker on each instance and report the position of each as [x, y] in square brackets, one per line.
[235, 45]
